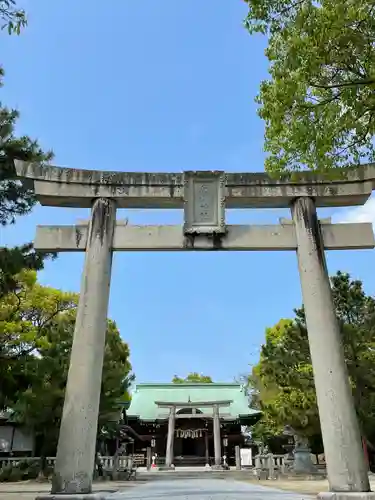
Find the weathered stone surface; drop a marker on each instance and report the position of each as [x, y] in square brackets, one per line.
[77, 439]
[58, 186]
[346, 467]
[302, 463]
[237, 452]
[346, 495]
[217, 437]
[159, 238]
[204, 202]
[170, 437]
[78, 188]
[284, 221]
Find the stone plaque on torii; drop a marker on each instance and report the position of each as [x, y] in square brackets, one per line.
[204, 203]
[204, 197]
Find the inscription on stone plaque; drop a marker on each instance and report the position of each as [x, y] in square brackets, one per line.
[204, 197]
[205, 203]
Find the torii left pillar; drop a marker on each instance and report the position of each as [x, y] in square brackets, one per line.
[217, 437]
[77, 440]
[170, 438]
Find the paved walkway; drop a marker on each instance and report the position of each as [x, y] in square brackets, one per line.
[29, 490]
[204, 489]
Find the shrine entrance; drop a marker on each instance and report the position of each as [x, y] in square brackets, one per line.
[189, 447]
[191, 442]
[204, 196]
[187, 422]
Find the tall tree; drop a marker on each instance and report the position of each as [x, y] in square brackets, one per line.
[319, 103]
[193, 377]
[284, 381]
[284, 376]
[36, 333]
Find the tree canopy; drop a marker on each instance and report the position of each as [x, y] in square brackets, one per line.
[318, 104]
[282, 382]
[193, 377]
[36, 332]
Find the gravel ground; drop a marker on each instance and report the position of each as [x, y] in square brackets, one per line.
[204, 489]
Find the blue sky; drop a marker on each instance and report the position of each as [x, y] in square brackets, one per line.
[160, 86]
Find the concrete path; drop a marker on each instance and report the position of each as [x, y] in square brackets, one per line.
[29, 490]
[204, 489]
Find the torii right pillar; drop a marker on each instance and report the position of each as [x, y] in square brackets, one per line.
[346, 467]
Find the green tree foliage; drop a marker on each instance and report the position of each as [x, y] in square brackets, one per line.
[26, 315]
[12, 18]
[16, 198]
[36, 332]
[193, 377]
[283, 384]
[319, 103]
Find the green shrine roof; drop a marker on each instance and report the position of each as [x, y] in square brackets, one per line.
[143, 404]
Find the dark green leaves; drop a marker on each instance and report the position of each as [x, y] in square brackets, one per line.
[283, 384]
[36, 333]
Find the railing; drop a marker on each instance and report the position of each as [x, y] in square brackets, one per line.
[14, 461]
[269, 465]
[261, 461]
[107, 462]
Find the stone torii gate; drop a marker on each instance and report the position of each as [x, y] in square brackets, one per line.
[204, 197]
[214, 405]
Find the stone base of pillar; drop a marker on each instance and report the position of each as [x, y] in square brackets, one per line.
[219, 467]
[167, 467]
[346, 495]
[99, 495]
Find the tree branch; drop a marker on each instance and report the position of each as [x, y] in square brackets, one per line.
[354, 83]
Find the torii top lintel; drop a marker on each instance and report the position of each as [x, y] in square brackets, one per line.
[58, 186]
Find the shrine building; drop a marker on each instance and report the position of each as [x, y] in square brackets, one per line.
[190, 423]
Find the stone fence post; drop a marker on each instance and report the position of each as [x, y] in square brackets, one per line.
[237, 451]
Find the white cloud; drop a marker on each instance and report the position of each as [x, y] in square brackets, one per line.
[364, 213]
